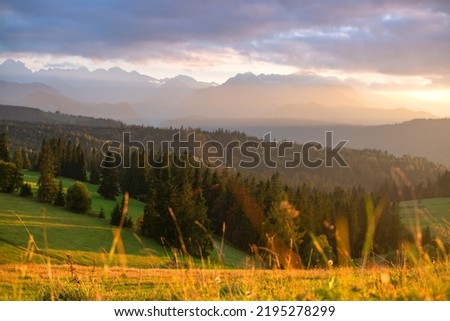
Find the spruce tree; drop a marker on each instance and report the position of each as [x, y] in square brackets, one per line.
[66, 166]
[58, 149]
[200, 232]
[101, 214]
[79, 166]
[171, 187]
[94, 173]
[60, 199]
[116, 214]
[18, 159]
[4, 153]
[118, 211]
[151, 224]
[109, 182]
[134, 178]
[47, 185]
[26, 163]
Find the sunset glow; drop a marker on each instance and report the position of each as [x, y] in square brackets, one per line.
[395, 46]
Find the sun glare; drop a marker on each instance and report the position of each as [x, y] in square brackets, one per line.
[431, 95]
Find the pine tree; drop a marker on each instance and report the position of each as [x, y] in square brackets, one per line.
[109, 182]
[60, 199]
[66, 166]
[58, 149]
[47, 185]
[171, 187]
[151, 224]
[4, 153]
[79, 166]
[389, 229]
[101, 214]
[191, 215]
[116, 214]
[18, 159]
[201, 228]
[94, 173]
[134, 179]
[26, 160]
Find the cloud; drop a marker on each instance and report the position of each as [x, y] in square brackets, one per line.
[391, 37]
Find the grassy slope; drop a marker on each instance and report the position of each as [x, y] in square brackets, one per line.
[86, 238]
[135, 208]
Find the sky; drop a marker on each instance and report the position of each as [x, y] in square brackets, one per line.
[397, 48]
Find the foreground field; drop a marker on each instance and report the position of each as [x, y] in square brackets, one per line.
[49, 253]
[68, 282]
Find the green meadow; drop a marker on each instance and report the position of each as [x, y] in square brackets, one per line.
[433, 212]
[135, 208]
[86, 239]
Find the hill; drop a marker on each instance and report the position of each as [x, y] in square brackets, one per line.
[48, 98]
[32, 114]
[87, 239]
[412, 137]
[375, 164]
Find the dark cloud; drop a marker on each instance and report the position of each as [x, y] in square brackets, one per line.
[400, 36]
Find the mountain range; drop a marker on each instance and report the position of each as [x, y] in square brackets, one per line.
[136, 98]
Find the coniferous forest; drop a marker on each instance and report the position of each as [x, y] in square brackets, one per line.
[274, 215]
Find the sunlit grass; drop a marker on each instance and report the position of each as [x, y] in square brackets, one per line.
[430, 282]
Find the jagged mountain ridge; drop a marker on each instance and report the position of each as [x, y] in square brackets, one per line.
[137, 98]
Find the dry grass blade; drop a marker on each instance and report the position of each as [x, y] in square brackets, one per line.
[117, 240]
[180, 235]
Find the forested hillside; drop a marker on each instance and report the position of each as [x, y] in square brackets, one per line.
[284, 216]
[367, 167]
